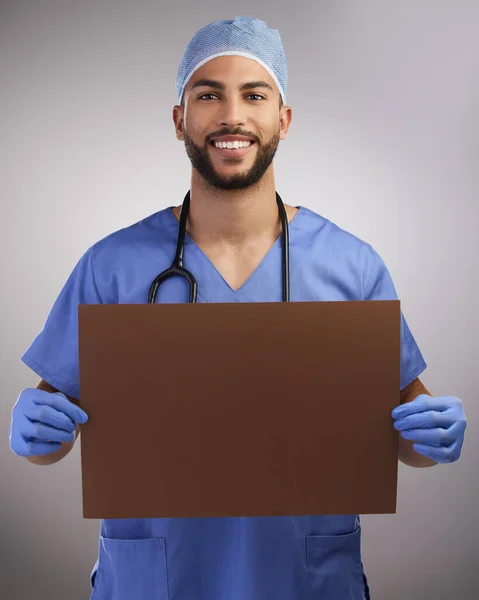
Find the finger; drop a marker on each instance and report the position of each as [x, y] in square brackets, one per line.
[421, 403]
[44, 433]
[430, 437]
[440, 455]
[25, 447]
[48, 415]
[425, 420]
[59, 401]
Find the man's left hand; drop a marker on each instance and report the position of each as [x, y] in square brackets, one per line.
[437, 424]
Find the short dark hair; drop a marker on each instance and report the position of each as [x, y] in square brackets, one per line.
[280, 102]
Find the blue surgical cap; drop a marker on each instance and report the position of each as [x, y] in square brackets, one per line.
[244, 36]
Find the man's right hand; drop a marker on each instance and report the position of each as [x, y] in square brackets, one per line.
[41, 421]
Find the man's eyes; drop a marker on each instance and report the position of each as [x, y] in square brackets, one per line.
[210, 94]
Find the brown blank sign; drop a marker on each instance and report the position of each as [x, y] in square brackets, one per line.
[239, 409]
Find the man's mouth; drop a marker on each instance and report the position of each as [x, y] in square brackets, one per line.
[235, 149]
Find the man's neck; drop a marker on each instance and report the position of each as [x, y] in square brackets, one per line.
[232, 217]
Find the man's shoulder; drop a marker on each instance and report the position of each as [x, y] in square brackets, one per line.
[152, 227]
[330, 233]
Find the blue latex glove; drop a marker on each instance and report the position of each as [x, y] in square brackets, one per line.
[436, 423]
[41, 421]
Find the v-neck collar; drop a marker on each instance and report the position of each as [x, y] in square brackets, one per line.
[227, 291]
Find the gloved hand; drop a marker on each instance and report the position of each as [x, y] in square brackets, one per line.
[41, 420]
[437, 423]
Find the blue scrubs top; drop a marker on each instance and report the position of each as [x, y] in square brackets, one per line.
[315, 557]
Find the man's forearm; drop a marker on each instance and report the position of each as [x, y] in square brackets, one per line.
[407, 454]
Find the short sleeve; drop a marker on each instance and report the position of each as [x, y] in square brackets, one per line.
[53, 354]
[378, 285]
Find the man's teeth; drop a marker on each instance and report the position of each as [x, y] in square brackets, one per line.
[233, 144]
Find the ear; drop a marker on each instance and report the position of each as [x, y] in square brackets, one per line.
[178, 120]
[286, 115]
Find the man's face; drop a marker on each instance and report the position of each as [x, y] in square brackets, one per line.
[210, 112]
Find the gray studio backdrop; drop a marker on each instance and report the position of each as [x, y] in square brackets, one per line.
[383, 142]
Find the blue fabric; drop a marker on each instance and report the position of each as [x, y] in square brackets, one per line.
[311, 557]
[243, 36]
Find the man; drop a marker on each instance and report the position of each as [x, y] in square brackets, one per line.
[231, 85]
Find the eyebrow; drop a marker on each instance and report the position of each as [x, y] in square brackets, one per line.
[219, 85]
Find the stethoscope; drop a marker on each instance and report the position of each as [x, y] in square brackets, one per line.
[177, 267]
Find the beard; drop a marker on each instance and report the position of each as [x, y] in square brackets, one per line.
[201, 161]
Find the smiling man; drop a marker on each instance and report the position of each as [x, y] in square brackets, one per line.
[224, 160]
[231, 116]
[228, 102]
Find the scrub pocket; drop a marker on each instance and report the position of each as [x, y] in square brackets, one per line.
[335, 567]
[130, 570]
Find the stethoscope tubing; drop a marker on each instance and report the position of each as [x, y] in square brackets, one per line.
[177, 268]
